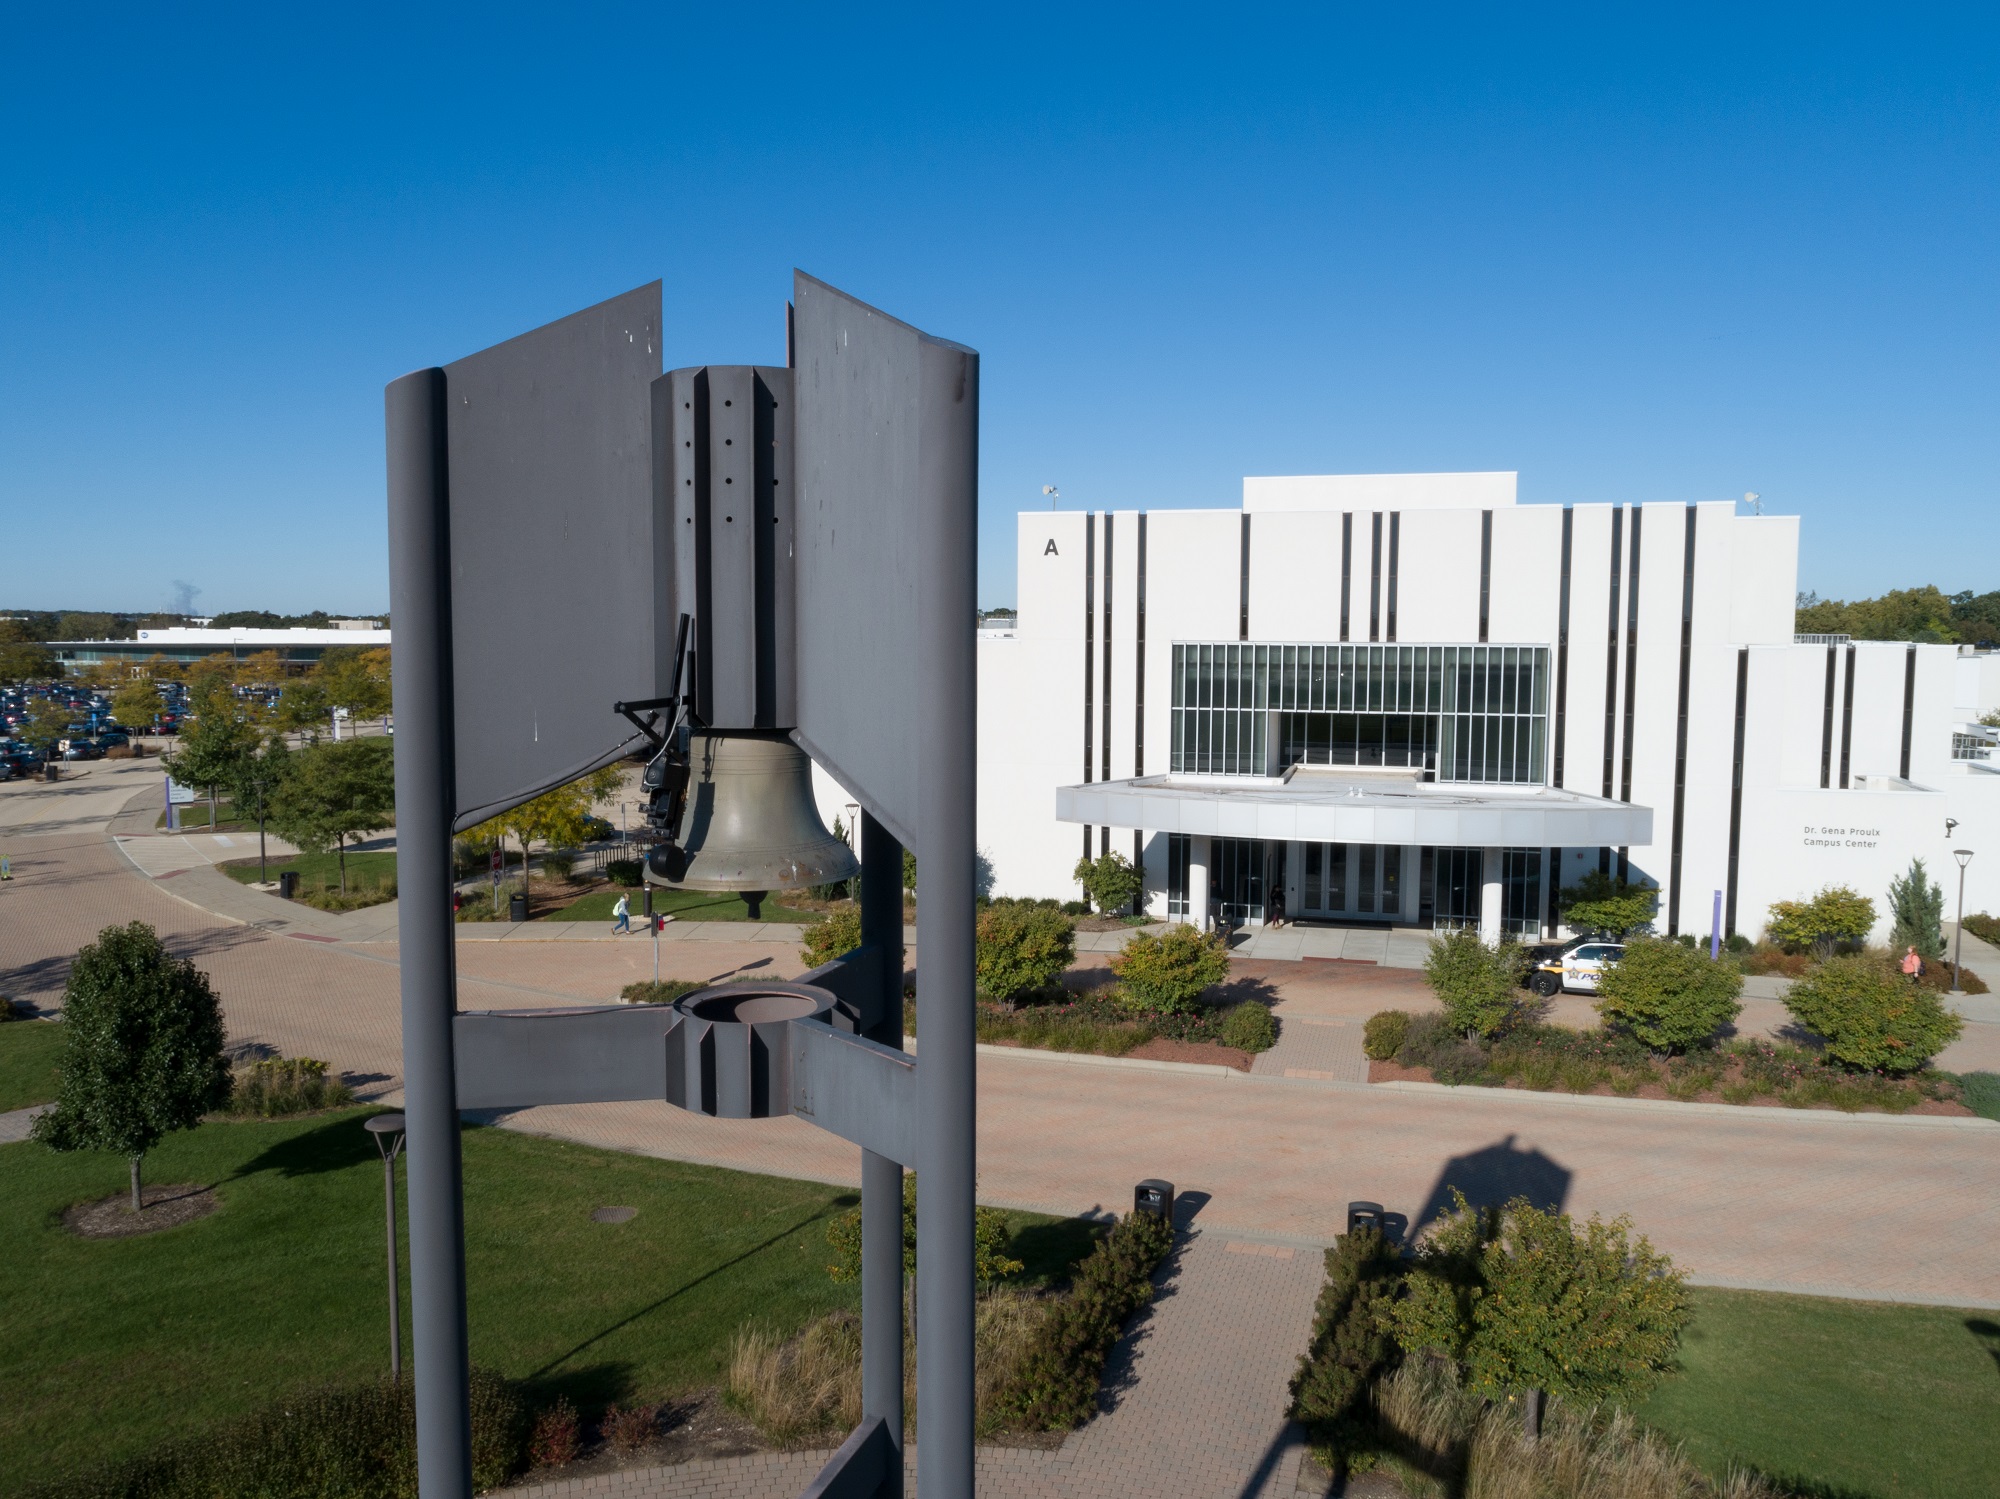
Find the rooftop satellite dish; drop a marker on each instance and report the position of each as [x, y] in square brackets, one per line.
[1053, 493]
[1752, 499]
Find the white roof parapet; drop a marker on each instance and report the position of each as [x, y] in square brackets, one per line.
[1364, 809]
[1465, 491]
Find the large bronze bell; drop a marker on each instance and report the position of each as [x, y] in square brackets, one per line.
[748, 821]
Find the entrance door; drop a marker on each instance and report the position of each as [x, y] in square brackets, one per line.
[1351, 880]
[1236, 880]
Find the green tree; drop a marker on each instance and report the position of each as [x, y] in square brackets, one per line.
[356, 680]
[23, 658]
[47, 723]
[1019, 947]
[1836, 915]
[254, 787]
[1916, 913]
[1477, 985]
[303, 708]
[555, 819]
[142, 1049]
[910, 871]
[136, 704]
[1111, 881]
[211, 750]
[1165, 972]
[1529, 1303]
[1918, 614]
[1871, 1017]
[1600, 905]
[1670, 996]
[335, 792]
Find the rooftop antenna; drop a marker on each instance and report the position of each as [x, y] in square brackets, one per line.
[1754, 501]
[1053, 493]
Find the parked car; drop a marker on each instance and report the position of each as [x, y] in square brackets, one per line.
[82, 749]
[1577, 969]
[113, 739]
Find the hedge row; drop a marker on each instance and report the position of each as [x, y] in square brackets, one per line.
[345, 1442]
[1055, 1387]
[1351, 1342]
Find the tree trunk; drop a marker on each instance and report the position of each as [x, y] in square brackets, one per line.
[137, 1203]
[211, 809]
[263, 873]
[1531, 1416]
[526, 894]
[342, 845]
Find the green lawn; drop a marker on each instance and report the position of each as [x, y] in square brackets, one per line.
[683, 905]
[195, 815]
[1859, 1397]
[364, 871]
[111, 1346]
[28, 1051]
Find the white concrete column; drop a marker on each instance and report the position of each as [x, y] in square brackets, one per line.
[1490, 863]
[1197, 891]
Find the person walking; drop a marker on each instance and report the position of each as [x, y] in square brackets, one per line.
[1913, 966]
[623, 911]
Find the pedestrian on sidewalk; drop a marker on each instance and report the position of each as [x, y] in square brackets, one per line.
[1913, 966]
[6, 868]
[623, 911]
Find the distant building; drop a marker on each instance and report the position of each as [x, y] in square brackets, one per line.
[184, 644]
[1404, 699]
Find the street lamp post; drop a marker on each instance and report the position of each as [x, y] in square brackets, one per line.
[1964, 857]
[388, 1132]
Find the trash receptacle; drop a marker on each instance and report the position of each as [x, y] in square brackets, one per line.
[1155, 1197]
[51, 770]
[288, 883]
[1366, 1215]
[517, 907]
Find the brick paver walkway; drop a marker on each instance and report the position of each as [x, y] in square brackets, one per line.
[1325, 1050]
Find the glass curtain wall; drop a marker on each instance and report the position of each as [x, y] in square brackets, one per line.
[1468, 712]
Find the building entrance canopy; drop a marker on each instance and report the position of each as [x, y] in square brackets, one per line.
[1315, 806]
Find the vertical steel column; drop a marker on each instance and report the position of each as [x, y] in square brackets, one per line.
[420, 603]
[946, 697]
[882, 1178]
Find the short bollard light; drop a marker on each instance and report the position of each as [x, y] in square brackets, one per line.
[388, 1132]
[1156, 1198]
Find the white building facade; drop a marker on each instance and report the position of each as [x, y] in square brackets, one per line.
[1408, 700]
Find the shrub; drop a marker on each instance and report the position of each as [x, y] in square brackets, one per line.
[657, 992]
[1476, 984]
[1737, 943]
[353, 1442]
[1985, 928]
[1526, 1301]
[1350, 1342]
[142, 1049]
[1111, 879]
[1055, 1385]
[1871, 1017]
[277, 1086]
[627, 1429]
[626, 872]
[1019, 948]
[1166, 971]
[991, 1239]
[1385, 1033]
[557, 1438]
[1249, 1026]
[1916, 914]
[837, 932]
[1075, 908]
[1598, 903]
[1671, 997]
[1833, 916]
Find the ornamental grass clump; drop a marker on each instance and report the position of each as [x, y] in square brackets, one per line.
[1871, 1017]
[276, 1086]
[1164, 973]
[1670, 996]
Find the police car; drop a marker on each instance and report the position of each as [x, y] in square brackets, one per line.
[1574, 967]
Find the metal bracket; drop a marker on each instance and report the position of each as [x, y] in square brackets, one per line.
[857, 1089]
[861, 1467]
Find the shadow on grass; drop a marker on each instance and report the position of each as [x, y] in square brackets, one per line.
[334, 1146]
[1988, 1334]
[1048, 1252]
[590, 1388]
[679, 1291]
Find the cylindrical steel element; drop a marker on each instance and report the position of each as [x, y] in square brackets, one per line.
[395, 1280]
[420, 603]
[946, 695]
[882, 1178]
[731, 1057]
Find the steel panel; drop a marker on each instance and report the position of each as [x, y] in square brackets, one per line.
[516, 1059]
[551, 506]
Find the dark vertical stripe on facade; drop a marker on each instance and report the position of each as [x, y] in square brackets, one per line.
[1485, 569]
[1089, 649]
[1395, 559]
[1826, 722]
[1375, 580]
[1681, 729]
[1104, 750]
[1561, 738]
[1736, 791]
[1550, 890]
[1243, 589]
[1346, 569]
[1631, 678]
[1847, 720]
[1909, 706]
[1139, 664]
[1611, 652]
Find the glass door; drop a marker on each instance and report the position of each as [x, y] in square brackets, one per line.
[1351, 880]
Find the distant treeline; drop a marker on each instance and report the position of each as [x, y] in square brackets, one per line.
[1922, 614]
[85, 624]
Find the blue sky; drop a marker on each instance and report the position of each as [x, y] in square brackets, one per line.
[1635, 259]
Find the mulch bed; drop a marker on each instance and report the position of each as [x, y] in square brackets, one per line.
[1393, 1072]
[1214, 1053]
[694, 1428]
[166, 1206]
